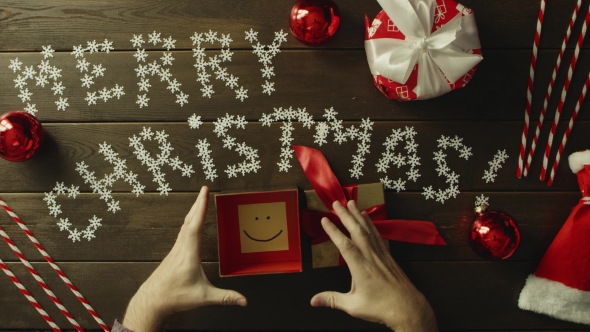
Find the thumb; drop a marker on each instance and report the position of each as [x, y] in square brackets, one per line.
[332, 300]
[225, 297]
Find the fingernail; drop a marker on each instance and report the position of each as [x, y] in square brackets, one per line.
[242, 302]
[316, 302]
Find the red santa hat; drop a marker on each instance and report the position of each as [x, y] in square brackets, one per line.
[560, 287]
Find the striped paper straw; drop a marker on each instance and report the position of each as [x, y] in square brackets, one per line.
[54, 266]
[563, 96]
[550, 88]
[40, 280]
[29, 297]
[529, 95]
[568, 130]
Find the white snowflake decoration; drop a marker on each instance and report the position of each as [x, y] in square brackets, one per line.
[156, 68]
[31, 108]
[15, 65]
[163, 158]
[251, 162]
[42, 78]
[202, 62]
[443, 169]
[206, 160]
[64, 224]
[103, 187]
[481, 200]
[496, 163]
[98, 70]
[287, 115]
[194, 121]
[389, 157]
[268, 87]
[362, 134]
[265, 55]
[47, 52]
[62, 104]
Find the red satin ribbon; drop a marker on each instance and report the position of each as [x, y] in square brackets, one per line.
[326, 185]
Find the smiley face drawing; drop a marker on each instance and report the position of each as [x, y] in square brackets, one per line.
[263, 227]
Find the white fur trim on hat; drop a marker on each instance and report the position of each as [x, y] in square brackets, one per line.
[555, 299]
[577, 160]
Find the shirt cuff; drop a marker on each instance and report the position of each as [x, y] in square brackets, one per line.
[117, 327]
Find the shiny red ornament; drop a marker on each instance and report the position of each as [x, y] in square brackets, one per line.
[314, 22]
[20, 136]
[493, 234]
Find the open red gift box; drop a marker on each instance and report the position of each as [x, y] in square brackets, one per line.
[258, 232]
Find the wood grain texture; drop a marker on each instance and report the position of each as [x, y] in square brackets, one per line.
[486, 300]
[468, 294]
[62, 23]
[304, 78]
[146, 227]
[67, 144]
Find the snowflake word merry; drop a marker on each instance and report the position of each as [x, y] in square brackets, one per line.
[146, 70]
[41, 78]
[266, 54]
[94, 71]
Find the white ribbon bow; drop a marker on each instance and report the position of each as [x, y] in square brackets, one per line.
[438, 54]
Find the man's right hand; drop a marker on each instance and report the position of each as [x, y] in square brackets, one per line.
[380, 291]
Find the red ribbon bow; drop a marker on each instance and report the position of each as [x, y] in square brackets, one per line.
[326, 185]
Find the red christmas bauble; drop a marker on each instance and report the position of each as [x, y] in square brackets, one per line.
[494, 235]
[314, 22]
[20, 136]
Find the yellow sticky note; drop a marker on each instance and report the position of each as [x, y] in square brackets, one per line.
[263, 227]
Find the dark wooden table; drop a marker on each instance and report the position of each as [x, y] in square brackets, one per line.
[467, 293]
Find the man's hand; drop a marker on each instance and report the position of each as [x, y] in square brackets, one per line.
[380, 290]
[179, 283]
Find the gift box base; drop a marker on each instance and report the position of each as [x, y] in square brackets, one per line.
[258, 232]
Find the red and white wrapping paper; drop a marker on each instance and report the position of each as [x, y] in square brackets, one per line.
[421, 49]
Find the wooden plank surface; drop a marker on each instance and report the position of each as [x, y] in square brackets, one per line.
[466, 292]
[486, 300]
[68, 144]
[304, 78]
[501, 23]
[151, 224]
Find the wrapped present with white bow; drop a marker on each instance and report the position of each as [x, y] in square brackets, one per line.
[421, 49]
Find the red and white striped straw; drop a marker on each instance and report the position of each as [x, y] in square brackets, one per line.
[29, 297]
[568, 130]
[54, 266]
[550, 88]
[563, 96]
[529, 95]
[40, 280]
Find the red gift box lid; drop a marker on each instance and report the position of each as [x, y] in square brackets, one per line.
[258, 232]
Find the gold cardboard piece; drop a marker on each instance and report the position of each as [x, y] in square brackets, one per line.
[326, 254]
